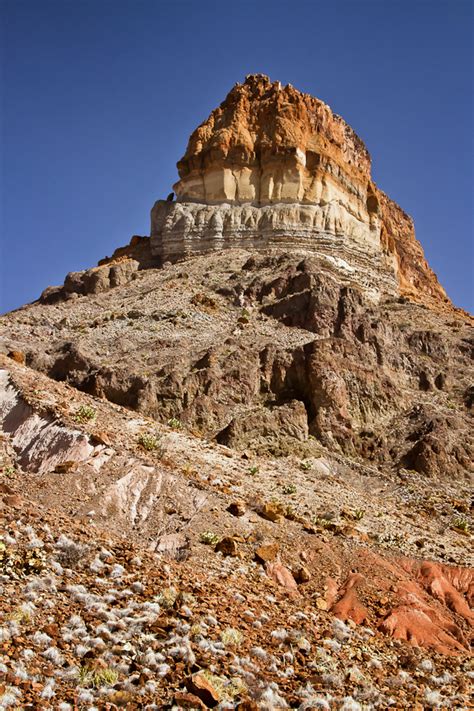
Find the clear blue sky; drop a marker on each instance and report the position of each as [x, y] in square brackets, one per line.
[99, 99]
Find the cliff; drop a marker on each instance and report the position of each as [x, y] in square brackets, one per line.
[274, 166]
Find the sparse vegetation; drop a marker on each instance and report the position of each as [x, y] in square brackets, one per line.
[461, 524]
[167, 597]
[84, 414]
[150, 442]
[96, 678]
[289, 488]
[254, 469]
[305, 465]
[231, 637]
[175, 424]
[209, 538]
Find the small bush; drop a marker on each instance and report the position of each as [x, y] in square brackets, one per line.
[90, 677]
[167, 598]
[150, 442]
[84, 414]
[175, 424]
[461, 524]
[254, 469]
[209, 538]
[289, 488]
[231, 637]
[69, 553]
[305, 466]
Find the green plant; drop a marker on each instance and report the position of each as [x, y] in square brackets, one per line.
[9, 471]
[149, 441]
[84, 414]
[305, 466]
[461, 524]
[175, 424]
[359, 514]
[209, 538]
[289, 488]
[322, 522]
[254, 469]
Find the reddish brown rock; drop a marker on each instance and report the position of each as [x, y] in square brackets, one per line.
[281, 575]
[302, 574]
[228, 546]
[349, 607]
[267, 552]
[272, 511]
[17, 356]
[199, 685]
[189, 701]
[237, 508]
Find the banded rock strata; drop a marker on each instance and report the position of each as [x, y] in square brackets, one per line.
[273, 166]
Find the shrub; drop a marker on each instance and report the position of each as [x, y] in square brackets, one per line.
[69, 553]
[84, 414]
[231, 637]
[209, 538]
[90, 677]
[175, 424]
[462, 524]
[167, 598]
[289, 488]
[150, 442]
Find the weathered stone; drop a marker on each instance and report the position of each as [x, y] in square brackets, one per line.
[199, 685]
[237, 508]
[302, 574]
[17, 356]
[192, 702]
[281, 575]
[93, 281]
[267, 552]
[272, 511]
[227, 546]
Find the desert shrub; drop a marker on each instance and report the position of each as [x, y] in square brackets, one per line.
[209, 538]
[150, 442]
[84, 414]
[68, 552]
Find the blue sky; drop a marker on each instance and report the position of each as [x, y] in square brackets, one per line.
[99, 99]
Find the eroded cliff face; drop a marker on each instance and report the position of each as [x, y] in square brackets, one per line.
[274, 166]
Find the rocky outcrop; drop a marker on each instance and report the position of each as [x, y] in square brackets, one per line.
[341, 239]
[92, 281]
[265, 352]
[274, 166]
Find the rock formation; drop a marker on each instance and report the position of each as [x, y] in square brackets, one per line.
[242, 480]
[274, 166]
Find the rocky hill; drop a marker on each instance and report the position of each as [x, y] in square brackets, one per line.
[237, 455]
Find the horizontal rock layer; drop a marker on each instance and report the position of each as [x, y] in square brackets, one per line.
[350, 244]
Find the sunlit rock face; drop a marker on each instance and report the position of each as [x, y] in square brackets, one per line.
[275, 167]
